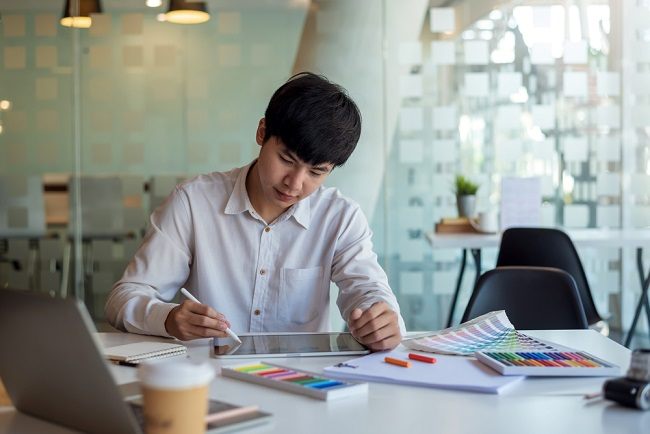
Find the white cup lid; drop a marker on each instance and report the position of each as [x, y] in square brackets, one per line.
[167, 374]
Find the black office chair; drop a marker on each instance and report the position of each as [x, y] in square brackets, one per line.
[547, 247]
[534, 298]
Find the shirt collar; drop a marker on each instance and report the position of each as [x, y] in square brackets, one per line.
[239, 202]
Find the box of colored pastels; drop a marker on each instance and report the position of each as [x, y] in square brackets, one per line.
[548, 363]
[292, 380]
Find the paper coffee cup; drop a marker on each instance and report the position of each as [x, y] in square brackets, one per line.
[175, 396]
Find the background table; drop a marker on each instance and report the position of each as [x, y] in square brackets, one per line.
[537, 405]
[593, 238]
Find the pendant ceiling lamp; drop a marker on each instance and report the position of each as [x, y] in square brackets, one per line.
[76, 13]
[187, 12]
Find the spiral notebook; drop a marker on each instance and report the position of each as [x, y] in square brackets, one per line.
[139, 351]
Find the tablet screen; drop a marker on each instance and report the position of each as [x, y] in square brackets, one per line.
[288, 344]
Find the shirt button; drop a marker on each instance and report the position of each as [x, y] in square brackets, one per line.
[262, 271]
[267, 229]
[257, 312]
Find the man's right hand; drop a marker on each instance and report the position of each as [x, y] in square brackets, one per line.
[190, 320]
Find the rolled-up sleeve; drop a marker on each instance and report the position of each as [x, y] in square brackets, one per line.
[356, 271]
[159, 268]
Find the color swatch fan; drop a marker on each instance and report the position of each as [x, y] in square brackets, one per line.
[490, 332]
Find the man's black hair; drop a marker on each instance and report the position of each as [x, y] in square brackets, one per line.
[315, 119]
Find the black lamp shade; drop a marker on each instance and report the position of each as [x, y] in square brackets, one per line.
[184, 5]
[81, 8]
[187, 12]
[76, 13]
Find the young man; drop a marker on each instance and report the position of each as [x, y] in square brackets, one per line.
[259, 245]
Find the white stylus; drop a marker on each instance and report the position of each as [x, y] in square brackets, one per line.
[230, 333]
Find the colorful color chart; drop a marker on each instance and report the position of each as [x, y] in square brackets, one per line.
[490, 332]
[292, 380]
[547, 363]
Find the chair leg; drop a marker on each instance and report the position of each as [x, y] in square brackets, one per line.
[459, 281]
[643, 300]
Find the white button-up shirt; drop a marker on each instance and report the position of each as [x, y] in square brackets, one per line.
[208, 238]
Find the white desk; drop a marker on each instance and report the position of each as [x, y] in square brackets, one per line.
[532, 406]
[589, 238]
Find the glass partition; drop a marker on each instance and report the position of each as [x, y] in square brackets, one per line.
[97, 125]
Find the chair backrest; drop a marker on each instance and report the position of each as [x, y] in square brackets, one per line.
[547, 247]
[534, 298]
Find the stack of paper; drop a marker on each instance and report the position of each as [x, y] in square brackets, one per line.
[490, 332]
[449, 372]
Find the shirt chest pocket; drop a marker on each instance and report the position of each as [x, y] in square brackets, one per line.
[301, 294]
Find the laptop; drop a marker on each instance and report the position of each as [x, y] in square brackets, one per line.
[53, 368]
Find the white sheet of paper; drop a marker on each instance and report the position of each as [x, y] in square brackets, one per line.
[476, 52]
[575, 84]
[442, 19]
[410, 86]
[449, 372]
[608, 148]
[443, 53]
[477, 84]
[608, 83]
[410, 53]
[508, 83]
[411, 283]
[575, 149]
[575, 53]
[521, 200]
[411, 119]
[543, 116]
[445, 118]
[608, 184]
[576, 216]
[541, 54]
[411, 151]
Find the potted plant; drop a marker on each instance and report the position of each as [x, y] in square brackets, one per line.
[465, 191]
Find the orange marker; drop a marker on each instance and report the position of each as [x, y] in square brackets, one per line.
[421, 358]
[398, 362]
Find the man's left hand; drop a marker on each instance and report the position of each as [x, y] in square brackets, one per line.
[377, 327]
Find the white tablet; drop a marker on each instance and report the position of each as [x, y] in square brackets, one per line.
[289, 345]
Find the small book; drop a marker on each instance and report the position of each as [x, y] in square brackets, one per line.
[136, 352]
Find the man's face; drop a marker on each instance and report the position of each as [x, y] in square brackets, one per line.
[285, 179]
